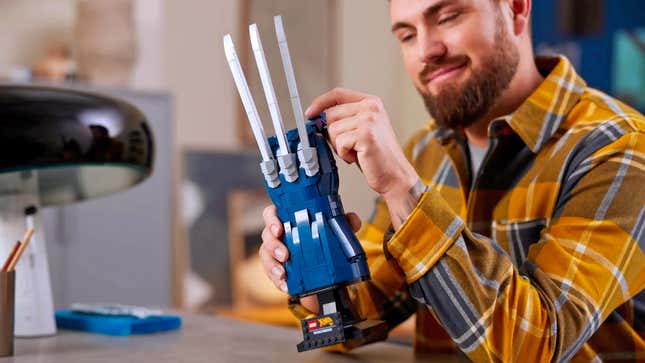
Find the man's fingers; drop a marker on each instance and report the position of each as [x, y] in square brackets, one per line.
[277, 275]
[273, 253]
[272, 267]
[341, 126]
[337, 96]
[270, 264]
[354, 221]
[277, 272]
[343, 111]
[272, 221]
[345, 144]
[273, 247]
[274, 270]
[282, 285]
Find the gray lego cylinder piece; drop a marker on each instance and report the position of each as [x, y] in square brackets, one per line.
[270, 170]
[309, 160]
[288, 167]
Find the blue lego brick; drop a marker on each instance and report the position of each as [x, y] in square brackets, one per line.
[119, 325]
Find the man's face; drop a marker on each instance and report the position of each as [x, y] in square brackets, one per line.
[459, 54]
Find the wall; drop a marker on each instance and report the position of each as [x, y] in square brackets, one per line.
[150, 71]
[26, 27]
[197, 73]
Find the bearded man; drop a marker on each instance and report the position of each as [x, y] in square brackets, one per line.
[512, 223]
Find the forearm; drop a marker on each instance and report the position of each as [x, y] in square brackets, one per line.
[401, 204]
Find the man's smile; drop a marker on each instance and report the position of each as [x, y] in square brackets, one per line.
[446, 73]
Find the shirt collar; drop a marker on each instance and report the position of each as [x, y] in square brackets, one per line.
[539, 116]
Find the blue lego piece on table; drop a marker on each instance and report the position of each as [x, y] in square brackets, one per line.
[119, 325]
[323, 248]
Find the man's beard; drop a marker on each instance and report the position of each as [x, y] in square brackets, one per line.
[457, 106]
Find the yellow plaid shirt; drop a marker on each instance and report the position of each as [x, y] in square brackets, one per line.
[541, 255]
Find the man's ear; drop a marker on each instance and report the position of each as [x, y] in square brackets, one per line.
[521, 14]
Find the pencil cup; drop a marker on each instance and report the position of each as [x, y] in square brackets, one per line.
[7, 299]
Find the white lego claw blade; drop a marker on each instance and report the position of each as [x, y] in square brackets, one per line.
[269, 91]
[247, 99]
[291, 81]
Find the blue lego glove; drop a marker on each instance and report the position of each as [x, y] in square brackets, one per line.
[323, 249]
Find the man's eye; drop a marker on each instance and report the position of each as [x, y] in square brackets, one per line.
[406, 38]
[448, 18]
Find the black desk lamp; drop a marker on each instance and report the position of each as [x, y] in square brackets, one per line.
[58, 146]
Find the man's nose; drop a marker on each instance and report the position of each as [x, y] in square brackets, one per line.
[431, 49]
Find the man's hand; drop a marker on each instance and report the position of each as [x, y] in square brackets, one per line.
[273, 253]
[361, 132]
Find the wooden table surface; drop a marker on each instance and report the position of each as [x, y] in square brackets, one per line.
[202, 338]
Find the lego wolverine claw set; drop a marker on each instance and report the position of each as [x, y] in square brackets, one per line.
[301, 178]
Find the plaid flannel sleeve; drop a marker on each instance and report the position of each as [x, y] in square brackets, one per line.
[588, 261]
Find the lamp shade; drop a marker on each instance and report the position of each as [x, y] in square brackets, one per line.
[78, 144]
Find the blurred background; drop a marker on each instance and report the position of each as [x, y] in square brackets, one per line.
[194, 226]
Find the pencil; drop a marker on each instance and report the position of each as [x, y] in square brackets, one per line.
[10, 257]
[25, 242]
